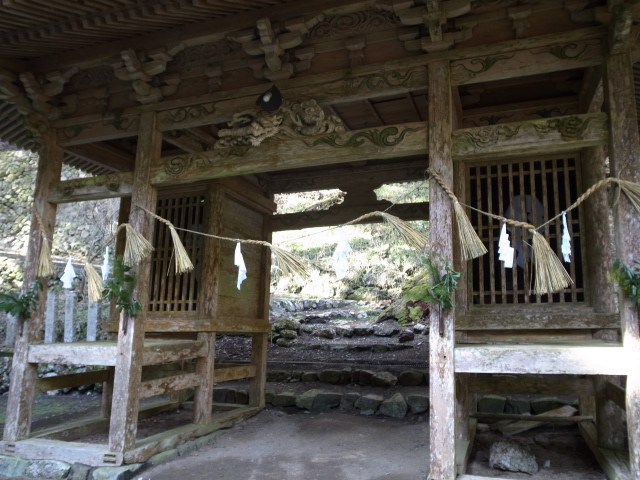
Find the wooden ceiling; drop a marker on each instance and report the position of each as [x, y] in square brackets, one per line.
[42, 36]
[35, 28]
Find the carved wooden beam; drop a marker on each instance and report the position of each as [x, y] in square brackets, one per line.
[532, 137]
[342, 214]
[559, 134]
[377, 143]
[551, 58]
[341, 86]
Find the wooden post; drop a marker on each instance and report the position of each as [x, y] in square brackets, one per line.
[609, 418]
[24, 374]
[128, 368]
[69, 312]
[441, 332]
[107, 386]
[93, 310]
[50, 317]
[208, 305]
[600, 253]
[260, 341]
[624, 155]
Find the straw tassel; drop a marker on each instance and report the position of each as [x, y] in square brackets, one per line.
[470, 243]
[45, 263]
[136, 248]
[632, 191]
[183, 262]
[288, 263]
[550, 274]
[413, 237]
[94, 283]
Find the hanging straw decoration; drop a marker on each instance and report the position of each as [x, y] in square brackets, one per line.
[94, 282]
[45, 264]
[136, 248]
[183, 262]
[550, 274]
[632, 191]
[470, 243]
[413, 237]
[287, 262]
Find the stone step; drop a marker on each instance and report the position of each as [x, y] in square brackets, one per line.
[340, 346]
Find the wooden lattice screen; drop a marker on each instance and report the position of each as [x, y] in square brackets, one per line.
[171, 292]
[541, 188]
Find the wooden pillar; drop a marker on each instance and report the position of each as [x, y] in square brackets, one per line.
[128, 368]
[624, 156]
[260, 341]
[208, 304]
[23, 374]
[107, 386]
[600, 250]
[441, 332]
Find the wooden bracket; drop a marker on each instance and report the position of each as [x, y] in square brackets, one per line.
[143, 70]
[271, 42]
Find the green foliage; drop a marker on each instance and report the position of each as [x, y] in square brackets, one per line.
[20, 304]
[628, 279]
[442, 292]
[120, 287]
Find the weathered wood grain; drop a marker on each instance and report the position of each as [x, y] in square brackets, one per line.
[441, 332]
[226, 374]
[534, 321]
[46, 384]
[75, 353]
[160, 386]
[611, 461]
[624, 156]
[172, 351]
[531, 137]
[543, 359]
[124, 414]
[70, 452]
[24, 374]
[527, 385]
[552, 58]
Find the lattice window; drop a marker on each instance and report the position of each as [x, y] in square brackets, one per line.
[540, 189]
[171, 292]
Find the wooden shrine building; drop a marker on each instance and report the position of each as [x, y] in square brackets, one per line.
[519, 105]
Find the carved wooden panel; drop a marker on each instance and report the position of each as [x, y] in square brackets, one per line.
[533, 191]
[171, 292]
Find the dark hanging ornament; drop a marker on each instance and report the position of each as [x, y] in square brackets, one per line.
[270, 100]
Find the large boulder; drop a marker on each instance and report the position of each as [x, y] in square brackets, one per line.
[418, 403]
[513, 456]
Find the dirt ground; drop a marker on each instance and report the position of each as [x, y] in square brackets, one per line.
[286, 444]
[290, 444]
